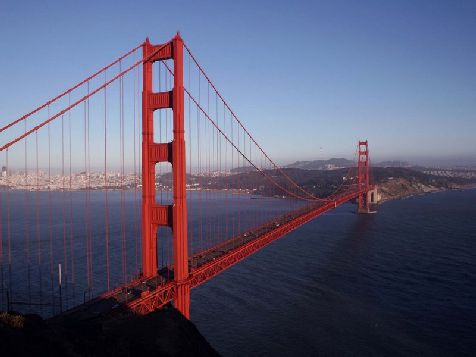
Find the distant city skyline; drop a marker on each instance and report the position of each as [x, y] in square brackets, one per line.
[308, 78]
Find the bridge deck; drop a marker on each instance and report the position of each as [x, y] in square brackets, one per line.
[145, 295]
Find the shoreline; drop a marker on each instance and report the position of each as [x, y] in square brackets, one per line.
[409, 194]
[383, 191]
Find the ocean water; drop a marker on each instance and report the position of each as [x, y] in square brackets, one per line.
[399, 282]
[48, 237]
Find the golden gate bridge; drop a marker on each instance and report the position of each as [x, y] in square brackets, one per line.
[95, 220]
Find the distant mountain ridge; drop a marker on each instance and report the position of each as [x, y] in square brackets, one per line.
[331, 164]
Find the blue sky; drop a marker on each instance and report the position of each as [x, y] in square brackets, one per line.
[308, 78]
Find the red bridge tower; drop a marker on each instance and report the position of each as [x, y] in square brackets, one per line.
[363, 177]
[153, 214]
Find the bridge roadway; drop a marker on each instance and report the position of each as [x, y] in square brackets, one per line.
[142, 295]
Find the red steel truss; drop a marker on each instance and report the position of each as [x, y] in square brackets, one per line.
[151, 300]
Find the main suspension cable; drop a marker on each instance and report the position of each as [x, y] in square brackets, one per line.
[240, 152]
[84, 98]
[51, 101]
[247, 132]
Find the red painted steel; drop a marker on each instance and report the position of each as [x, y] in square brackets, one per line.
[220, 257]
[153, 214]
[179, 210]
[152, 300]
[149, 245]
[363, 176]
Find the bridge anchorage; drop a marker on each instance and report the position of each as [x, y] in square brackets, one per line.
[192, 222]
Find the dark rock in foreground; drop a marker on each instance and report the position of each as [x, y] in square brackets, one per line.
[162, 333]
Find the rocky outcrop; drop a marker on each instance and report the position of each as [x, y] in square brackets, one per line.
[162, 333]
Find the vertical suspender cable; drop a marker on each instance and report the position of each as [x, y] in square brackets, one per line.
[37, 214]
[136, 225]
[207, 192]
[89, 216]
[86, 235]
[160, 137]
[228, 181]
[26, 213]
[63, 213]
[139, 123]
[9, 238]
[190, 201]
[50, 218]
[239, 182]
[199, 154]
[106, 188]
[121, 151]
[71, 235]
